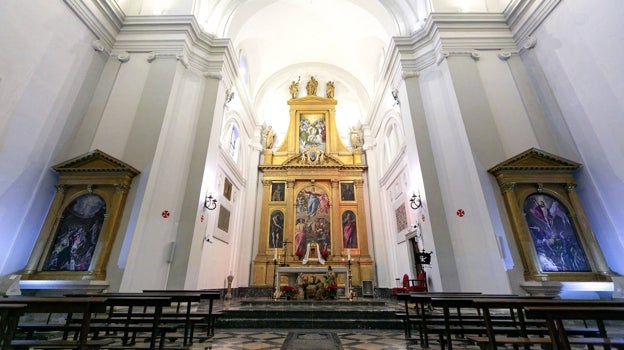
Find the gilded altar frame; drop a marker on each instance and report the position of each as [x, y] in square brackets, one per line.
[546, 213]
[306, 162]
[69, 231]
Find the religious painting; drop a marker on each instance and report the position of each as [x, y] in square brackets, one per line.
[77, 235]
[347, 191]
[312, 132]
[227, 189]
[276, 229]
[277, 191]
[400, 215]
[234, 143]
[555, 239]
[349, 230]
[223, 222]
[312, 221]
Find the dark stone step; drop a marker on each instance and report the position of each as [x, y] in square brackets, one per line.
[300, 314]
[320, 323]
[307, 314]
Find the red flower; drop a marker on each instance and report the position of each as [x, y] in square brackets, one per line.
[332, 286]
[324, 254]
[299, 253]
[289, 291]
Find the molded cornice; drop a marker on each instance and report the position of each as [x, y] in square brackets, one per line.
[525, 16]
[103, 18]
[175, 36]
[447, 34]
[443, 35]
[163, 37]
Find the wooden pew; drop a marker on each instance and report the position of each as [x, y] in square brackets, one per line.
[420, 317]
[132, 314]
[67, 306]
[9, 317]
[556, 315]
[524, 338]
[192, 319]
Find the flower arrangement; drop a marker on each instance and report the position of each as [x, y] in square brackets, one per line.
[332, 290]
[324, 254]
[288, 291]
[300, 254]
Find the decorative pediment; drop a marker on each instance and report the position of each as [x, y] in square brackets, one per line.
[313, 157]
[94, 162]
[535, 160]
[312, 100]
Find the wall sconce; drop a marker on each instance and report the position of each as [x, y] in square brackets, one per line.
[415, 202]
[210, 203]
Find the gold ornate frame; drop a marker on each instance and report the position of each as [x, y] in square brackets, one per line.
[537, 172]
[93, 173]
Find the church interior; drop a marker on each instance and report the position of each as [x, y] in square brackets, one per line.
[204, 144]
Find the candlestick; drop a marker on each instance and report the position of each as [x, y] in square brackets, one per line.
[349, 254]
[275, 254]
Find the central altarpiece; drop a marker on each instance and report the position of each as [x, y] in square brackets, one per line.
[313, 212]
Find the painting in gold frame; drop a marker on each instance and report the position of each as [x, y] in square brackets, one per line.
[536, 176]
[78, 233]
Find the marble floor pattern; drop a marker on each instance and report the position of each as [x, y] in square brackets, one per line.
[350, 340]
[356, 339]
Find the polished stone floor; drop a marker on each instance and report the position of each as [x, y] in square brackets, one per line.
[323, 339]
[311, 339]
[275, 339]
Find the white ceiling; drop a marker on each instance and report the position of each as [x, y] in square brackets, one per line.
[340, 40]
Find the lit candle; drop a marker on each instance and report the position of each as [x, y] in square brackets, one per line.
[275, 254]
[348, 254]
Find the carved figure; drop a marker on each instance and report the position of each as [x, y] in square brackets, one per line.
[356, 137]
[311, 86]
[294, 88]
[269, 137]
[329, 91]
[321, 292]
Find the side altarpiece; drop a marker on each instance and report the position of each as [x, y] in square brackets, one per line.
[313, 211]
[77, 236]
[552, 233]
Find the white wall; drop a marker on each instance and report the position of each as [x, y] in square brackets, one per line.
[578, 59]
[47, 70]
[472, 234]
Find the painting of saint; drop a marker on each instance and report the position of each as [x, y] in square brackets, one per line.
[555, 239]
[276, 229]
[347, 192]
[77, 235]
[349, 230]
[277, 193]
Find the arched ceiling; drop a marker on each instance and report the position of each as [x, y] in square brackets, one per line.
[351, 35]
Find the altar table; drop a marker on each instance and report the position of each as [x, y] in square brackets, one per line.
[293, 272]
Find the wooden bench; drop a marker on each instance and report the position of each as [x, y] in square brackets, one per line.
[530, 335]
[192, 319]
[9, 318]
[420, 316]
[135, 314]
[556, 315]
[67, 306]
[132, 314]
[461, 317]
